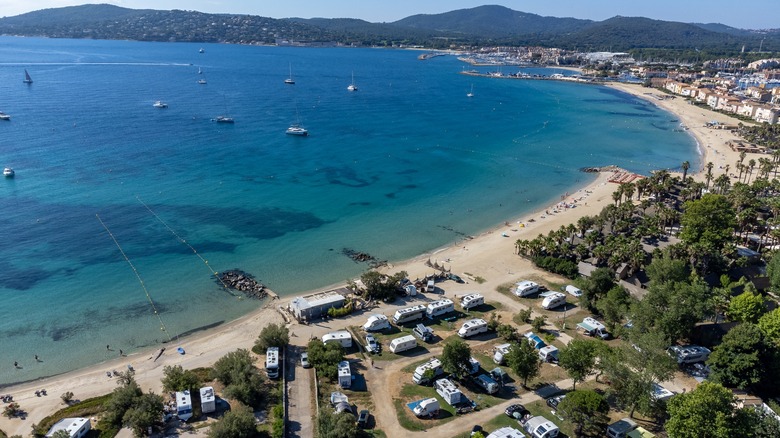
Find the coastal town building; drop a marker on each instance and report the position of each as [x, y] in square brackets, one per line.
[314, 306]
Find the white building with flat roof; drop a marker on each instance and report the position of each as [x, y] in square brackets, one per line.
[75, 427]
[314, 306]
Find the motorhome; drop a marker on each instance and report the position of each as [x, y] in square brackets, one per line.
[427, 408]
[448, 391]
[423, 333]
[470, 301]
[526, 288]
[345, 374]
[487, 383]
[208, 402]
[409, 314]
[549, 354]
[422, 376]
[540, 427]
[272, 362]
[506, 432]
[685, 354]
[430, 287]
[501, 352]
[342, 337]
[473, 327]
[439, 308]
[555, 299]
[183, 405]
[404, 343]
[591, 327]
[376, 322]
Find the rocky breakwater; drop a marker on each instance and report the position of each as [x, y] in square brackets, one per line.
[241, 281]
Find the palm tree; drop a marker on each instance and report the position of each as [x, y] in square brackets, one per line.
[617, 195]
[708, 176]
[751, 166]
[685, 166]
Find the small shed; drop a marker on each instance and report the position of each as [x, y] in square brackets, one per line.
[313, 306]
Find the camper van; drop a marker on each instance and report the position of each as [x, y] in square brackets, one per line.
[272, 362]
[621, 428]
[448, 391]
[555, 299]
[500, 352]
[427, 408]
[409, 314]
[208, 402]
[470, 301]
[342, 337]
[430, 287]
[423, 333]
[591, 327]
[419, 376]
[399, 345]
[439, 308]
[526, 288]
[376, 322]
[573, 291]
[345, 374]
[473, 327]
[487, 383]
[689, 353]
[183, 405]
[549, 354]
[540, 427]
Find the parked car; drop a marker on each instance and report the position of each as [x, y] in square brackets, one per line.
[554, 401]
[518, 408]
[305, 360]
[372, 346]
[362, 420]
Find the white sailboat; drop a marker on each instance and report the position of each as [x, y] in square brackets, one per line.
[27, 78]
[200, 71]
[471, 93]
[352, 86]
[296, 128]
[289, 80]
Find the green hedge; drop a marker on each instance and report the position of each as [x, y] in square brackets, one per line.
[564, 267]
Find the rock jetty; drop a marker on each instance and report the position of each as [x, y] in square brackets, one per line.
[243, 282]
[362, 257]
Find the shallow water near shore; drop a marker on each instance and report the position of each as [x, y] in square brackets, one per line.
[401, 167]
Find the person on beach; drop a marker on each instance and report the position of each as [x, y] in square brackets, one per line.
[36, 358]
[108, 347]
[16, 364]
[120, 352]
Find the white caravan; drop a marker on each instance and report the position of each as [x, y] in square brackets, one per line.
[409, 314]
[471, 300]
[439, 308]
[555, 299]
[473, 327]
[403, 343]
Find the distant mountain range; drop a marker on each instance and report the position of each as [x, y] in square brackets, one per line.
[483, 25]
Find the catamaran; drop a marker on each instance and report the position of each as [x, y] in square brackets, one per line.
[27, 78]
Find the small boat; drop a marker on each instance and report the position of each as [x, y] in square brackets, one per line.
[8, 172]
[27, 78]
[289, 80]
[180, 350]
[200, 71]
[471, 93]
[201, 50]
[224, 119]
[297, 130]
[160, 104]
[4, 116]
[202, 81]
[352, 86]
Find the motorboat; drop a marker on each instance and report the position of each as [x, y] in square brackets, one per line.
[160, 104]
[297, 130]
[202, 81]
[224, 119]
[4, 116]
[201, 50]
[8, 172]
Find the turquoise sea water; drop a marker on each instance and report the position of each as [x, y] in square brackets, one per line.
[403, 166]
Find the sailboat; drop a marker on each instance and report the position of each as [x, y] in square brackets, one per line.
[471, 93]
[200, 72]
[296, 128]
[27, 78]
[352, 86]
[289, 80]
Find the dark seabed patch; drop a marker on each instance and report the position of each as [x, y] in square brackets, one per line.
[12, 277]
[361, 204]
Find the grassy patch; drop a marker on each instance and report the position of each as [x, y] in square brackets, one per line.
[86, 408]
[494, 424]
[411, 392]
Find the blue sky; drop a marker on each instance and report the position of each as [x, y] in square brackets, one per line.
[756, 14]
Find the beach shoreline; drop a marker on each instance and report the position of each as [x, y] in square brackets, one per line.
[490, 255]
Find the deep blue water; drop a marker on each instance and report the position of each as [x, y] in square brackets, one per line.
[403, 166]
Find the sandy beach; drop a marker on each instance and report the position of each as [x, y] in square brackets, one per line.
[490, 255]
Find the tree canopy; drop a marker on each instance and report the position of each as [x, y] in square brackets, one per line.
[578, 359]
[237, 422]
[707, 411]
[737, 361]
[325, 358]
[456, 358]
[707, 227]
[242, 380]
[586, 409]
[175, 378]
[272, 335]
[524, 360]
[747, 307]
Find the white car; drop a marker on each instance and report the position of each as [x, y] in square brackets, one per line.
[372, 346]
[305, 360]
